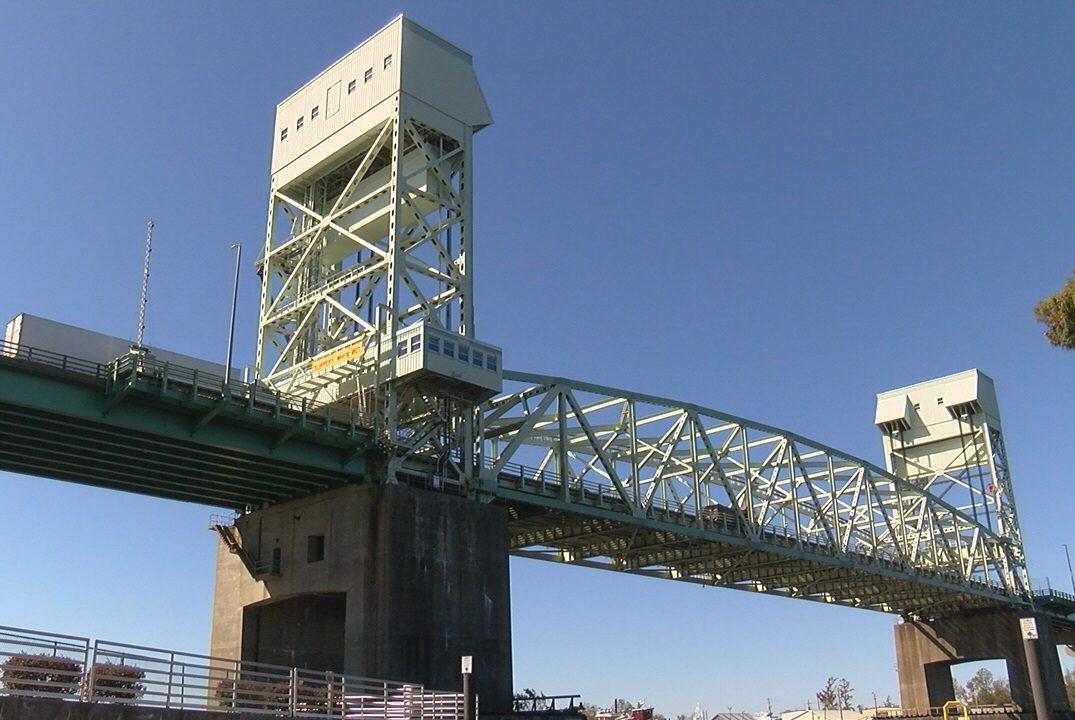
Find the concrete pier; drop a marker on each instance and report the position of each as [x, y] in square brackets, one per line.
[927, 650]
[381, 581]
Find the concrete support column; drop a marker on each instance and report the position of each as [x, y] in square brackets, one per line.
[411, 579]
[927, 650]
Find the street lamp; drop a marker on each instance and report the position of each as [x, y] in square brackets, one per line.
[1070, 574]
[231, 323]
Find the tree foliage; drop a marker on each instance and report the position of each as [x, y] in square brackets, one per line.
[1057, 313]
[1069, 683]
[984, 689]
[836, 695]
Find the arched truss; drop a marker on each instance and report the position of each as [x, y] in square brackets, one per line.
[637, 466]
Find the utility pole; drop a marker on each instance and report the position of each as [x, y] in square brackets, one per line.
[145, 287]
[234, 301]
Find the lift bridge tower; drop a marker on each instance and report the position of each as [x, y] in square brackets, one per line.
[367, 306]
[945, 436]
[368, 248]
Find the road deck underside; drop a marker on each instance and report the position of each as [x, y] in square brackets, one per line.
[742, 564]
[172, 444]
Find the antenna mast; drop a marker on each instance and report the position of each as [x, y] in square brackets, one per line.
[145, 286]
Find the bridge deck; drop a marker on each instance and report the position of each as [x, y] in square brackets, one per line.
[172, 436]
[166, 432]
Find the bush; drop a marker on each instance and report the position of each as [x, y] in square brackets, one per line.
[270, 695]
[43, 673]
[252, 694]
[117, 681]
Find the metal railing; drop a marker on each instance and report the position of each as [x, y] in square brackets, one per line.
[144, 369]
[47, 665]
[542, 704]
[54, 360]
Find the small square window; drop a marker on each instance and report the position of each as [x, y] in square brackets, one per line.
[490, 362]
[313, 113]
[478, 358]
[416, 343]
[918, 406]
[351, 87]
[368, 76]
[283, 135]
[940, 401]
[387, 62]
[464, 353]
[449, 348]
[315, 548]
[433, 343]
[298, 124]
[401, 349]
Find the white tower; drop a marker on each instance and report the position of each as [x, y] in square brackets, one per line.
[944, 435]
[368, 248]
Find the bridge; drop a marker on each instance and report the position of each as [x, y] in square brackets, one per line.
[709, 498]
[383, 452]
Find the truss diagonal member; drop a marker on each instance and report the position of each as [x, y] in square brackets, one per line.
[598, 449]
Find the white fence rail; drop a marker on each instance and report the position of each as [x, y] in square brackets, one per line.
[47, 665]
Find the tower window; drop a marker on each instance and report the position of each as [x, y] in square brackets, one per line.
[433, 343]
[315, 548]
[464, 353]
[368, 76]
[490, 361]
[298, 123]
[313, 113]
[477, 358]
[387, 62]
[283, 135]
[351, 87]
[401, 349]
[449, 348]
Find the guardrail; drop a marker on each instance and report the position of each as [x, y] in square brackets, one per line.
[133, 369]
[546, 704]
[54, 360]
[48, 665]
[146, 371]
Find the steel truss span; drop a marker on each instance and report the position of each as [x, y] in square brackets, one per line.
[678, 491]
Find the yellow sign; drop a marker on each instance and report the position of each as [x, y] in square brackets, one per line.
[342, 355]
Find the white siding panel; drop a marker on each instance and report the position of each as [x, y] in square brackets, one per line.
[365, 97]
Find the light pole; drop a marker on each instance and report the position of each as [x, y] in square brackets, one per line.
[231, 323]
[1070, 574]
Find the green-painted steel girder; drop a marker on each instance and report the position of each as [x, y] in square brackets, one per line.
[65, 426]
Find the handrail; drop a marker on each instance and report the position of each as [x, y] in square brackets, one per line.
[129, 369]
[39, 664]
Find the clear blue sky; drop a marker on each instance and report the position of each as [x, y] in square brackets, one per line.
[776, 210]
